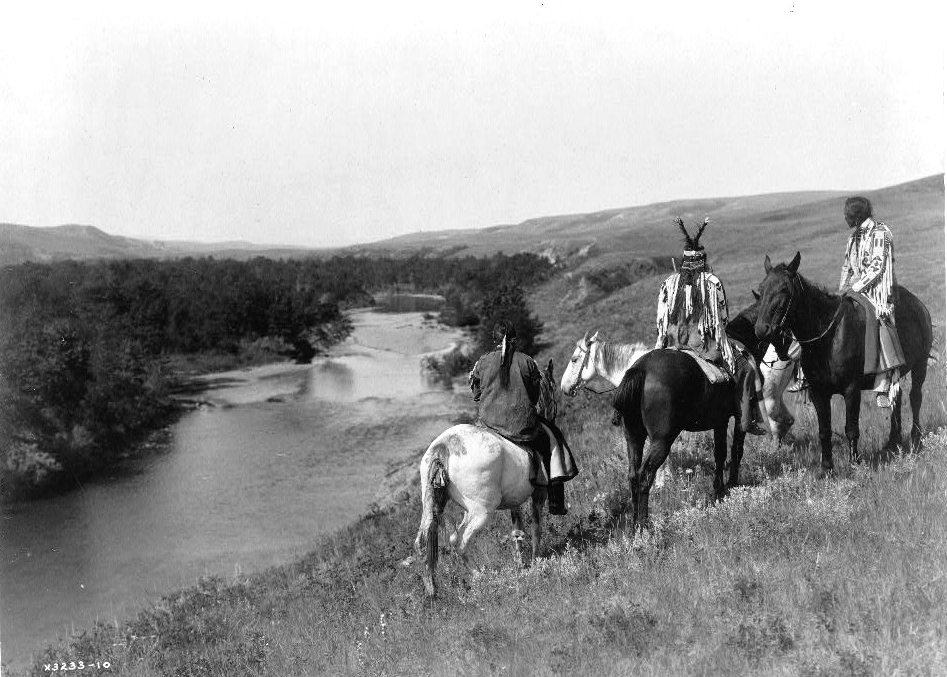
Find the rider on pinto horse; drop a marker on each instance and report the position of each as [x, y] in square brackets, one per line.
[506, 385]
[693, 315]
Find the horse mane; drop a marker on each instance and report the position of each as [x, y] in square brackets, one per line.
[548, 403]
[620, 353]
[826, 295]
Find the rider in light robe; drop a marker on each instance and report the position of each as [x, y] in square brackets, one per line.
[506, 385]
[868, 269]
[693, 315]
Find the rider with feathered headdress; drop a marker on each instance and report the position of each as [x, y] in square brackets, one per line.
[693, 315]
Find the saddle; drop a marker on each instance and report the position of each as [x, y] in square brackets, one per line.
[560, 466]
[713, 373]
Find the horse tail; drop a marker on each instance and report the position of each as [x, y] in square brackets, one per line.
[437, 500]
[627, 402]
[433, 500]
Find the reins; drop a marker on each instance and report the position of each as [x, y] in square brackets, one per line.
[792, 296]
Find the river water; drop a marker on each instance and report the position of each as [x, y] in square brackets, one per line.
[280, 456]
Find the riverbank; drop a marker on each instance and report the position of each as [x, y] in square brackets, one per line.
[309, 446]
[790, 575]
[779, 579]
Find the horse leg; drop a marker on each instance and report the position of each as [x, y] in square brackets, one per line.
[474, 521]
[517, 536]
[536, 528]
[720, 459]
[455, 537]
[853, 403]
[775, 381]
[822, 402]
[657, 453]
[918, 376]
[895, 437]
[736, 456]
[634, 443]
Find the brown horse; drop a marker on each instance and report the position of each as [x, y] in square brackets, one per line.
[661, 393]
[831, 331]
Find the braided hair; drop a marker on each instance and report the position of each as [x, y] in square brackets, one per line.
[504, 333]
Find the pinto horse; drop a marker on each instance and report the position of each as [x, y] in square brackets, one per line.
[831, 331]
[662, 393]
[481, 472]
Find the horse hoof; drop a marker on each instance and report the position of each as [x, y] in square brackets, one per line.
[826, 473]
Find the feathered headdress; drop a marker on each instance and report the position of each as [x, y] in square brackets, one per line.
[692, 243]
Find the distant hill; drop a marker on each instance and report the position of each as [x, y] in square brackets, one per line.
[742, 231]
[602, 245]
[25, 243]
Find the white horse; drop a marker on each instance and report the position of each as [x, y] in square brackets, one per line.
[481, 472]
[594, 356]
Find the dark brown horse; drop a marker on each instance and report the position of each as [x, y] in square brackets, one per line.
[664, 393]
[831, 331]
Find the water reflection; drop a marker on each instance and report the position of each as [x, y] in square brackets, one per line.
[246, 484]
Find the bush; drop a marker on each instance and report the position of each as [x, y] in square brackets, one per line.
[508, 303]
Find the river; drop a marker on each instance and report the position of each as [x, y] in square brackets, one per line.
[280, 456]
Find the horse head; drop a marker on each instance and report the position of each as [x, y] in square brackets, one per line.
[581, 367]
[777, 292]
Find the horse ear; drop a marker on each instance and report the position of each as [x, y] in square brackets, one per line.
[767, 265]
[585, 340]
[794, 264]
[549, 370]
[756, 294]
[595, 335]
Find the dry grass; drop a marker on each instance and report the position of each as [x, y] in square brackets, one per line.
[790, 575]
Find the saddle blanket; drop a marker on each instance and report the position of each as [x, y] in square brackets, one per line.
[562, 464]
[882, 346]
[713, 373]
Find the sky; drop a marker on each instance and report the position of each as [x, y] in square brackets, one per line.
[304, 126]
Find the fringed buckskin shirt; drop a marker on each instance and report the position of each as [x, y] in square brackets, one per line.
[869, 266]
[701, 320]
[510, 410]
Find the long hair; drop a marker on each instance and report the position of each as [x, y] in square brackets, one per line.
[505, 333]
[857, 210]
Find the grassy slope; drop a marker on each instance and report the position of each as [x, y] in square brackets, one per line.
[791, 575]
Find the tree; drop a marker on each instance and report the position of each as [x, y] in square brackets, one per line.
[508, 302]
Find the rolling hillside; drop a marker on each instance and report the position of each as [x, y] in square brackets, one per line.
[742, 231]
[26, 243]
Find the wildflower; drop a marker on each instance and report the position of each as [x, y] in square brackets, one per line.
[382, 624]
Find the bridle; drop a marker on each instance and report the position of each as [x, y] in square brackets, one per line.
[583, 383]
[792, 297]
